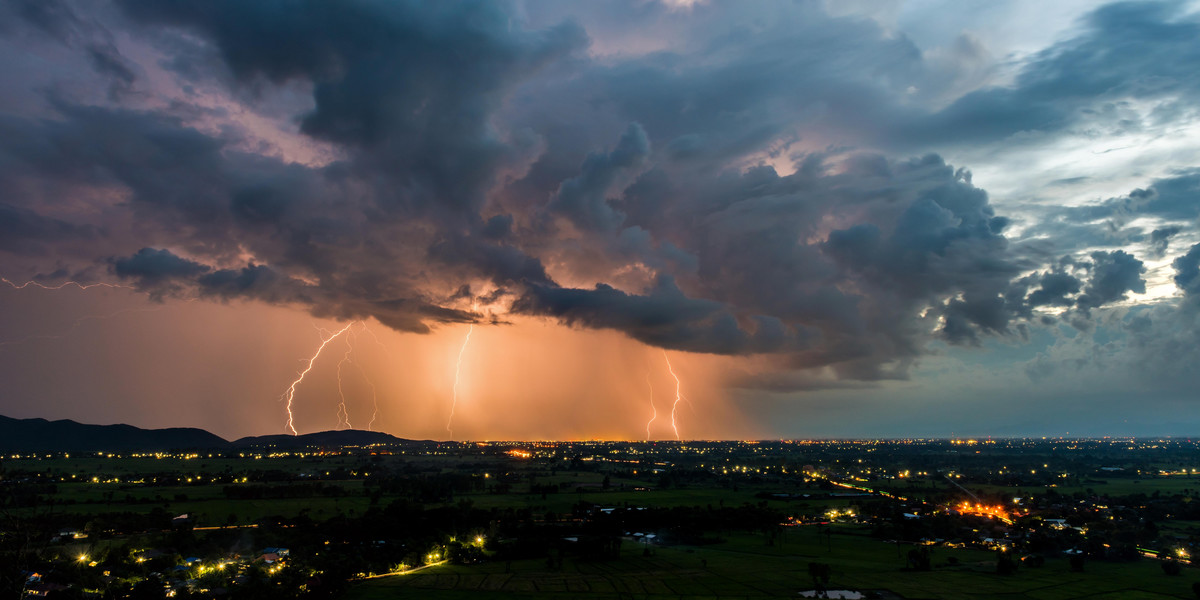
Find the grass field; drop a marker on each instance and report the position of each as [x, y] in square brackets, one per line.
[1105, 487]
[743, 567]
[210, 507]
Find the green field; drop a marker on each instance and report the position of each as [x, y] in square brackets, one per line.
[745, 567]
[1104, 487]
[208, 505]
[740, 565]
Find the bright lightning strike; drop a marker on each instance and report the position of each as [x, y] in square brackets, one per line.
[343, 413]
[60, 286]
[374, 397]
[457, 372]
[290, 394]
[678, 394]
[653, 411]
[374, 393]
[78, 322]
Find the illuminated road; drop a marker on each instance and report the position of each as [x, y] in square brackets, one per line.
[410, 571]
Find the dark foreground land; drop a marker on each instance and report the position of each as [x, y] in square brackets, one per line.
[1039, 519]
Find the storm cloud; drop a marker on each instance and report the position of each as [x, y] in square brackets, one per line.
[760, 186]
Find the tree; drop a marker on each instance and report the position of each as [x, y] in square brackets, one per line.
[920, 559]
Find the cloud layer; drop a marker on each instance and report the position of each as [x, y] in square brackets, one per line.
[754, 181]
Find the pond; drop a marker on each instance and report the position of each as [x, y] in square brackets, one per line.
[844, 594]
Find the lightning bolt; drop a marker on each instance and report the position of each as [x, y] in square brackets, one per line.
[678, 394]
[457, 372]
[62, 285]
[351, 346]
[374, 397]
[342, 406]
[78, 322]
[290, 394]
[374, 394]
[653, 411]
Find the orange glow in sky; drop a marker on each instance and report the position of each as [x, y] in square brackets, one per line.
[221, 367]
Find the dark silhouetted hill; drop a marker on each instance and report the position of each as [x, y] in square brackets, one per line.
[40, 435]
[346, 437]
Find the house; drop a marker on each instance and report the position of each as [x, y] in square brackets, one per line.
[41, 589]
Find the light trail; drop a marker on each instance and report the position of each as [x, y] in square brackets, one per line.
[290, 394]
[654, 411]
[457, 372]
[405, 571]
[678, 394]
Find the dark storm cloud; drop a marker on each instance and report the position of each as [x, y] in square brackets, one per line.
[163, 274]
[153, 266]
[1153, 347]
[1168, 198]
[1114, 274]
[216, 203]
[23, 231]
[56, 18]
[1083, 285]
[628, 193]
[1054, 289]
[741, 82]
[159, 273]
[948, 240]
[663, 317]
[582, 199]
[1118, 221]
[1127, 51]
[164, 164]
[1161, 238]
[409, 85]
[1187, 272]
[59, 20]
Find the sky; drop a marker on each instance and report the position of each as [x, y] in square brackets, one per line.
[635, 219]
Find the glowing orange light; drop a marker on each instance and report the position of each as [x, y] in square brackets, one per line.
[982, 510]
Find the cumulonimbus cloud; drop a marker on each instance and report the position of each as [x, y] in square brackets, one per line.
[669, 196]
